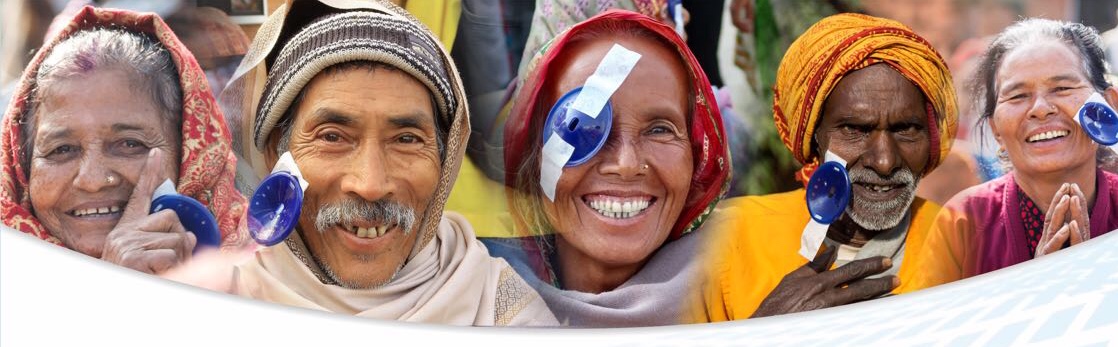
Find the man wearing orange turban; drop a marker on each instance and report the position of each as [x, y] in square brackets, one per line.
[868, 91]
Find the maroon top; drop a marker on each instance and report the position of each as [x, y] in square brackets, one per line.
[994, 208]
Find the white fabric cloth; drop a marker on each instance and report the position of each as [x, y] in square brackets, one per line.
[452, 280]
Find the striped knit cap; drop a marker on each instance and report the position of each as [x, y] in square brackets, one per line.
[352, 36]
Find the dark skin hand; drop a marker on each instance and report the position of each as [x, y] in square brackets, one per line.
[813, 286]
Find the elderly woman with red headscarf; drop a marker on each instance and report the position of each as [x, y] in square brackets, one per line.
[853, 88]
[107, 110]
[608, 240]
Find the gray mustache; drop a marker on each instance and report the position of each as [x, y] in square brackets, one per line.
[351, 211]
[860, 174]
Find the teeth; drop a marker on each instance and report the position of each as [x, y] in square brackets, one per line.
[618, 209]
[370, 232]
[878, 188]
[96, 211]
[1047, 135]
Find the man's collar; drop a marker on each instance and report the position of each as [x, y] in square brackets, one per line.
[299, 249]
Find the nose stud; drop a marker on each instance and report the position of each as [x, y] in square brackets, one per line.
[110, 179]
[644, 167]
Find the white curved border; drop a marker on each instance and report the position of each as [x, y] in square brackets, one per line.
[52, 296]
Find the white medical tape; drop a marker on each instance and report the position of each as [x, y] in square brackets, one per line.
[287, 164]
[599, 87]
[1095, 97]
[556, 153]
[165, 188]
[815, 232]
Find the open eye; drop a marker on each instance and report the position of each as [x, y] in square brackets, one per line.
[850, 129]
[660, 129]
[908, 130]
[131, 147]
[408, 139]
[62, 150]
[331, 136]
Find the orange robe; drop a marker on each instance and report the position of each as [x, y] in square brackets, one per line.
[755, 241]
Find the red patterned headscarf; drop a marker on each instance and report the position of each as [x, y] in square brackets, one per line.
[208, 165]
[711, 156]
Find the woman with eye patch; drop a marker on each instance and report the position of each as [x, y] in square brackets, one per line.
[615, 244]
[107, 110]
[1032, 81]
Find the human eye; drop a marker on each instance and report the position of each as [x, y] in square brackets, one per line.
[131, 147]
[409, 138]
[62, 151]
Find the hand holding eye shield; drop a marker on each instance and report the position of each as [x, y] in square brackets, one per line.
[813, 286]
[151, 243]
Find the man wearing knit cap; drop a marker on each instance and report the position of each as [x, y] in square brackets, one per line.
[370, 107]
[856, 89]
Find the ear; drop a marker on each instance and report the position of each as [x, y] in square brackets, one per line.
[994, 130]
[1111, 96]
[270, 155]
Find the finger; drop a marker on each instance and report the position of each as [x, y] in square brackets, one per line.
[1060, 193]
[165, 221]
[186, 251]
[1059, 213]
[1055, 242]
[1076, 208]
[160, 260]
[150, 177]
[861, 290]
[1074, 233]
[824, 258]
[1079, 215]
[1073, 190]
[856, 270]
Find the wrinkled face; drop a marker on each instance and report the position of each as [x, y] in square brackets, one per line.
[90, 145]
[620, 206]
[1039, 88]
[365, 142]
[875, 120]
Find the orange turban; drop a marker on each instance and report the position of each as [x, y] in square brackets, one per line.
[842, 43]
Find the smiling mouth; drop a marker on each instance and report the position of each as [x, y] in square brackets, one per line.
[618, 207]
[880, 188]
[1047, 135]
[96, 211]
[368, 232]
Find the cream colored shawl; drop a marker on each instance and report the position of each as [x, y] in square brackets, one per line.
[451, 280]
[449, 276]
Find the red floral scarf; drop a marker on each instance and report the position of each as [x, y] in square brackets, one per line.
[208, 165]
